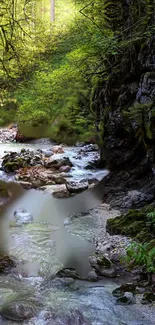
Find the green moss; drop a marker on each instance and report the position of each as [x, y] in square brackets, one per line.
[132, 224]
[11, 166]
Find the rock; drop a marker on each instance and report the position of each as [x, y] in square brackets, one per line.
[8, 135]
[23, 217]
[73, 317]
[127, 298]
[58, 282]
[36, 183]
[6, 263]
[57, 149]
[65, 169]
[148, 297]
[68, 273]
[57, 162]
[74, 187]
[102, 265]
[90, 147]
[92, 276]
[127, 287]
[133, 198]
[58, 191]
[26, 185]
[18, 310]
[14, 161]
[79, 144]
[47, 153]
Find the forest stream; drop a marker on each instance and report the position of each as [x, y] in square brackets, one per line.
[59, 233]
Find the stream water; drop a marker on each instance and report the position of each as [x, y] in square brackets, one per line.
[44, 245]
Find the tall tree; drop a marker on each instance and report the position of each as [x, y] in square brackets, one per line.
[52, 10]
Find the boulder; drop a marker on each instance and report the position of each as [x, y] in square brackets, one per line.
[80, 144]
[65, 169]
[25, 158]
[6, 263]
[148, 297]
[92, 276]
[26, 185]
[68, 273]
[56, 162]
[58, 191]
[103, 266]
[76, 187]
[90, 147]
[57, 149]
[126, 299]
[127, 287]
[18, 310]
[47, 153]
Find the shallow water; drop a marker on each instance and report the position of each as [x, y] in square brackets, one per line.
[43, 246]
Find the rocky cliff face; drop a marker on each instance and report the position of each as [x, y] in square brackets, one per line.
[127, 98]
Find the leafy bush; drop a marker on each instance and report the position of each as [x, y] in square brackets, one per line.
[141, 255]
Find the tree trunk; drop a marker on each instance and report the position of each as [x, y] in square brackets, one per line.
[52, 10]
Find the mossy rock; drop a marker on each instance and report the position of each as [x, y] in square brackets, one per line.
[11, 166]
[6, 263]
[132, 224]
[126, 287]
[148, 297]
[104, 261]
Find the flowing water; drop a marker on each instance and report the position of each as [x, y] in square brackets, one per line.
[45, 244]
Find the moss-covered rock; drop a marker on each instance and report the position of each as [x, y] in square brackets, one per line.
[6, 263]
[133, 224]
[148, 297]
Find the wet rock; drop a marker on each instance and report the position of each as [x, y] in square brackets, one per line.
[14, 161]
[26, 185]
[127, 298]
[57, 149]
[148, 297]
[65, 169]
[90, 147]
[103, 266]
[68, 273]
[58, 191]
[57, 162]
[6, 263]
[47, 153]
[127, 287]
[80, 144]
[7, 134]
[23, 217]
[18, 310]
[76, 187]
[73, 317]
[92, 276]
[39, 177]
[58, 282]
[36, 183]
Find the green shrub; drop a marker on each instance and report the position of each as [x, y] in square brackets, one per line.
[141, 255]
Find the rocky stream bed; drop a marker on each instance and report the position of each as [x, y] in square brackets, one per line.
[63, 265]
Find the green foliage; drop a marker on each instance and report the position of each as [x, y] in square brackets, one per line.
[141, 255]
[151, 216]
